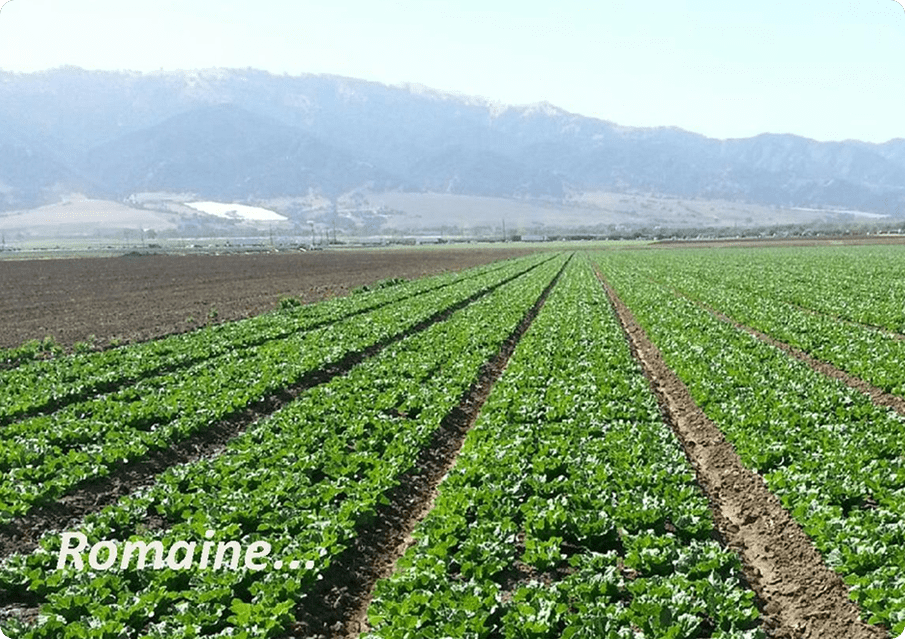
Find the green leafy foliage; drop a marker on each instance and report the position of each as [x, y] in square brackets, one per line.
[835, 459]
[46, 455]
[306, 479]
[558, 516]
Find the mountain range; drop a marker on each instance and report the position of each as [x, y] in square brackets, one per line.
[248, 135]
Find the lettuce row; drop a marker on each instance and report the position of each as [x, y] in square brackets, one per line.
[864, 352]
[47, 384]
[45, 456]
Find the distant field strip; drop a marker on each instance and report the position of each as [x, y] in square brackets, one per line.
[858, 284]
[305, 479]
[571, 511]
[43, 457]
[836, 460]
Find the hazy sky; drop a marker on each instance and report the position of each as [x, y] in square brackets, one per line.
[828, 70]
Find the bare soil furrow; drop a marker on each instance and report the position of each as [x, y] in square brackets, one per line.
[22, 534]
[338, 607]
[801, 598]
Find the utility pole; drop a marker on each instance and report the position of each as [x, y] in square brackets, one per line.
[334, 215]
[504, 229]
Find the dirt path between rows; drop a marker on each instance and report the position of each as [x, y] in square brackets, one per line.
[337, 609]
[873, 327]
[801, 597]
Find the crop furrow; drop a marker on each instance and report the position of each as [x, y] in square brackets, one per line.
[337, 608]
[838, 318]
[124, 477]
[864, 353]
[800, 596]
[827, 453]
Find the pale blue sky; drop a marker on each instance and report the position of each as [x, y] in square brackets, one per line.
[828, 70]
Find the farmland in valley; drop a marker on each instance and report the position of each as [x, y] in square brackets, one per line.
[628, 443]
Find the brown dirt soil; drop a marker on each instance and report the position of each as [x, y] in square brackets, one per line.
[801, 598]
[337, 609]
[135, 298]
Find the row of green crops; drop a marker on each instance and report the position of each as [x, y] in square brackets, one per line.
[872, 355]
[30, 351]
[571, 511]
[305, 479]
[51, 384]
[43, 457]
[835, 460]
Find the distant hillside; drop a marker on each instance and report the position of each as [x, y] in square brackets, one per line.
[248, 135]
[224, 151]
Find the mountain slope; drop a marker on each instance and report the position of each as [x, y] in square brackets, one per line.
[224, 151]
[246, 134]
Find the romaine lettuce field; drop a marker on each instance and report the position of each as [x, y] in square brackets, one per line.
[619, 444]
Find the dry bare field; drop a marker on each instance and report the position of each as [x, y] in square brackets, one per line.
[135, 298]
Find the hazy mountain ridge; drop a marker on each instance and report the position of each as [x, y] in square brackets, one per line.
[246, 134]
[224, 151]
